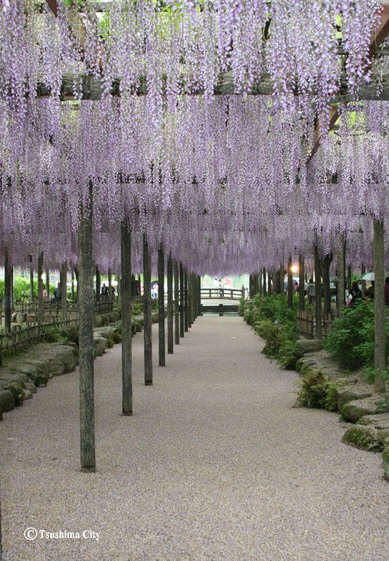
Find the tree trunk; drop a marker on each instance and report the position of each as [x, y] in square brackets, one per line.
[40, 288]
[161, 307]
[318, 293]
[182, 302]
[170, 337]
[86, 344]
[301, 283]
[148, 350]
[176, 305]
[379, 305]
[73, 286]
[341, 281]
[126, 320]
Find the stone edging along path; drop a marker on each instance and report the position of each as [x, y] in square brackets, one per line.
[366, 411]
[33, 368]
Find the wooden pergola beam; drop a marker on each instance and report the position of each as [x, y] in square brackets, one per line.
[92, 88]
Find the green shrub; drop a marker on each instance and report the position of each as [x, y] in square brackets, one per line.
[318, 391]
[289, 354]
[276, 323]
[351, 338]
[241, 307]
[71, 335]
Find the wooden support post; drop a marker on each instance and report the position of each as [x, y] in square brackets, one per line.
[282, 275]
[363, 271]
[7, 293]
[109, 285]
[77, 282]
[31, 284]
[326, 262]
[264, 282]
[301, 283]
[318, 293]
[186, 321]
[73, 297]
[126, 319]
[176, 304]
[198, 300]
[341, 285]
[182, 302]
[379, 305]
[64, 301]
[48, 283]
[290, 283]
[260, 278]
[86, 345]
[40, 288]
[190, 320]
[98, 284]
[147, 326]
[170, 338]
[161, 307]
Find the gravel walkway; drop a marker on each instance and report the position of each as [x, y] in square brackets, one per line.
[215, 464]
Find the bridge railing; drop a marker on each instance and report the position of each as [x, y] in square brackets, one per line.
[228, 293]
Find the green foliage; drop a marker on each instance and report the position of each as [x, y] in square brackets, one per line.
[71, 335]
[351, 338]
[276, 323]
[370, 373]
[318, 391]
[289, 354]
[241, 308]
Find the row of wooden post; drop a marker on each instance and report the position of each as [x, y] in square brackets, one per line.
[258, 284]
[183, 306]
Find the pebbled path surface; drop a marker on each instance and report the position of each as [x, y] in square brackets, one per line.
[215, 464]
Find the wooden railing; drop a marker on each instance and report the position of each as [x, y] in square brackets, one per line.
[228, 293]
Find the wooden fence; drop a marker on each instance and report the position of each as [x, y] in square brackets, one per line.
[306, 323]
[22, 337]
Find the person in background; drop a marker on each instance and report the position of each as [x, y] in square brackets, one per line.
[356, 294]
[311, 291]
[45, 294]
[58, 293]
[370, 291]
[386, 288]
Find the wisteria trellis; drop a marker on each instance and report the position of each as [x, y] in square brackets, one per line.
[224, 176]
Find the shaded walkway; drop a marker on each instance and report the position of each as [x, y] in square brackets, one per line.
[215, 464]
